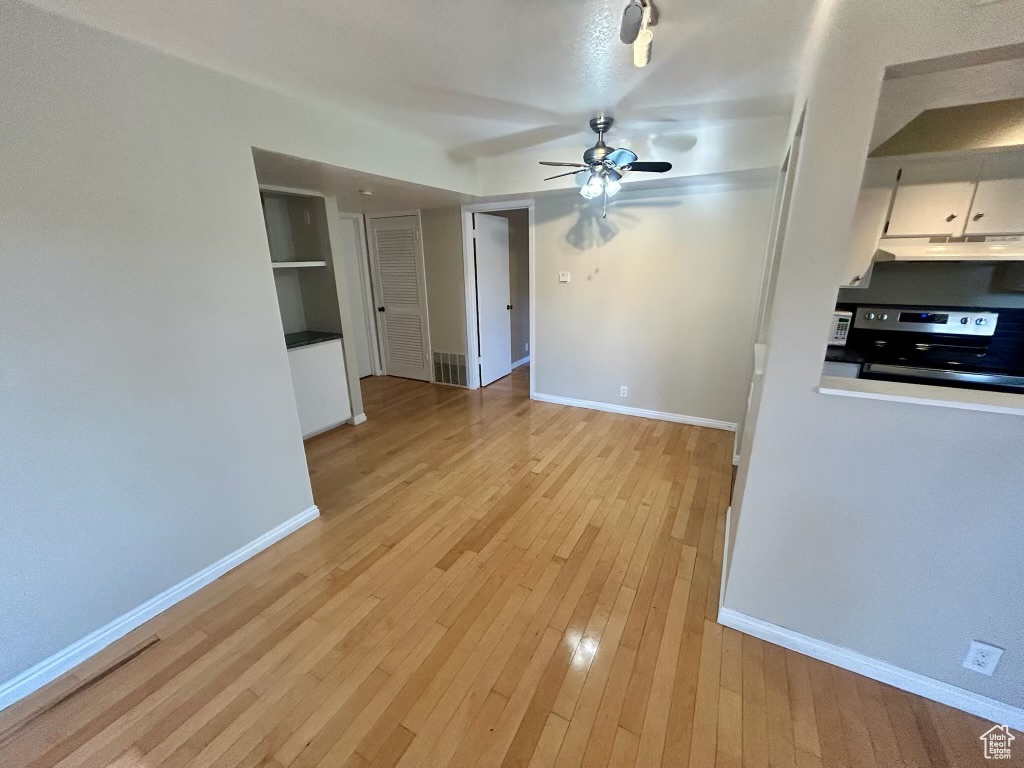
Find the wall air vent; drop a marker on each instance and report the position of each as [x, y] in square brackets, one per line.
[450, 368]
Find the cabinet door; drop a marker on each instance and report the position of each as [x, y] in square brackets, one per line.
[868, 222]
[998, 208]
[320, 385]
[933, 199]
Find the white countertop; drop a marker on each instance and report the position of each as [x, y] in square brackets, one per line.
[923, 394]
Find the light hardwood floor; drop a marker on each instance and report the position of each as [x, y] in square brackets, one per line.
[493, 582]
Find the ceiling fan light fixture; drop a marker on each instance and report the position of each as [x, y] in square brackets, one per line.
[643, 40]
[611, 187]
[594, 187]
[642, 48]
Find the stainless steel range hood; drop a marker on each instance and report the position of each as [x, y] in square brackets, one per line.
[971, 248]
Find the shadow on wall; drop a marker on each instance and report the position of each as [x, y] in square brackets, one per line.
[590, 230]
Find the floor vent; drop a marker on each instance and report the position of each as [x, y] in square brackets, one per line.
[450, 368]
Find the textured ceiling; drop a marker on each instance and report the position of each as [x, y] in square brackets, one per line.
[484, 77]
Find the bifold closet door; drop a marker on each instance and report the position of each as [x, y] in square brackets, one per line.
[396, 253]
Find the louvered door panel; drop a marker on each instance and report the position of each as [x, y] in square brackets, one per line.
[396, 252]
[400, 290]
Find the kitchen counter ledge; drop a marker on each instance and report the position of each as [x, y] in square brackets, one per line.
[923, 394]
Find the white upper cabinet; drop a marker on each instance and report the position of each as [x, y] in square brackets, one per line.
[998, 207]
[868, 222]
[934, 198]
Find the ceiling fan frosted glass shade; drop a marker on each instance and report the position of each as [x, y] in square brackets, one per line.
[611, 187]
[593, 188]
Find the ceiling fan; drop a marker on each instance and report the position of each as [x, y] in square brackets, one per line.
[606, 165]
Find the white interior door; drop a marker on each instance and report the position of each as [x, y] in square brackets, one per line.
[493, 297]
[396, 250]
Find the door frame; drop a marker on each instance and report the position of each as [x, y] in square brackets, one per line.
[373, 287]
[469, 274]
[363, 259]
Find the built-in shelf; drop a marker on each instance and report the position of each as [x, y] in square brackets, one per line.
[290, 264]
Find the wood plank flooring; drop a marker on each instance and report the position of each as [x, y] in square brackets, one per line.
[493, 583]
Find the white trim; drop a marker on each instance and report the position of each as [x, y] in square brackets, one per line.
[522, 361]
[929, 688]
[643, 413]
[369, 309]
[533, 294]
[469, 290]
[359, 418]
[736, 447]
[392, 214]
[56, 665]
[296, 264]
[292, 190]
[469, 278]
[725, 559]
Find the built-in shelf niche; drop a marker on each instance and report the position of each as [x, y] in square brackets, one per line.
[300, 255]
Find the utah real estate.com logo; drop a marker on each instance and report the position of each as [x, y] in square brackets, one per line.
[997, 742]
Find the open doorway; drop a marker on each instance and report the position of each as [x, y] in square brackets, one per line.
[499, 294]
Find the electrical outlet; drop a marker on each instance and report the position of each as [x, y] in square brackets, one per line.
[982, 657]
[623, 391]
[563, 277]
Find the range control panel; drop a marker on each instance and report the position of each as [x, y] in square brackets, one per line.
[949, 322]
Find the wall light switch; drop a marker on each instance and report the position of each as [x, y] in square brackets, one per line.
[563, 277]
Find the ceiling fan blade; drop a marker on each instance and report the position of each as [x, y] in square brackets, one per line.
[560, 175]
[650, 167]
[621, 157]
[632, 18]
[565, 165]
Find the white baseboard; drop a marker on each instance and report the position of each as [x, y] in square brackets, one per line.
[56, 665]
[521, 361]
[359, 418]
[677, 418]
[929, 688]
[736, 450]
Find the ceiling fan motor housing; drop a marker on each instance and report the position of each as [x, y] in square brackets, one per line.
[598, 152]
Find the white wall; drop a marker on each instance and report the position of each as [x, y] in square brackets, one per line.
[890, 529]
[661, 297]
[446, 284]
[147, 415]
